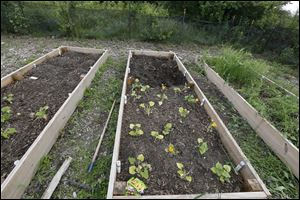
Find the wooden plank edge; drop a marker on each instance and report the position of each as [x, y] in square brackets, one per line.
[14, 186]
[81, 49]
[152, 53]
[113, 171]
[236, 153]
[235, 195]
[282, 147]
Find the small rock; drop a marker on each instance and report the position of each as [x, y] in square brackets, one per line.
[16, 162]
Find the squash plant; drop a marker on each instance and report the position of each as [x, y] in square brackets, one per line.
[156, 135]
[202, 146]
[167, 128]
[147, 107]
[7, 132]
[139, 167]
[182, 172]
[162, 98]
[191, 99]
[222, 172]
[183, 112]
[5, 114]
[177, 90]
[42, 113]
[135, 130]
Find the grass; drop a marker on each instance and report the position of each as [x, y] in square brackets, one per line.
[103, 90]
[242, 71]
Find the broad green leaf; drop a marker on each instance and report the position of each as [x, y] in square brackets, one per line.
[200, 140]
[227, 168]
[168, 126]
[160, 137]
[141, 157]
[179, 165]
[151, 103]
[213, 169]
[188, 178]
[140, 132]
[222, 179]
[132, 170]
[219, 166]
[145, 174]
[131, 126]
[203, 148]
[138, 125]
[181, 109]
[180, 172]
[154, 133]
[132, 133]
[142, 105]
[131, 160]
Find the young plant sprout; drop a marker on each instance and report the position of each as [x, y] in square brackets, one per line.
[137, 85]
[7, 132]
[182, 173]
[162, 98]
[5, 114]
[167, 128]
[156, 135]
[183, 112]
[139, 167]
[144, 88]
[148, 107]
[222, 172]
[135, 130]
[177, 90]
[191, 99]
[135, 95]
[171, 149]
[42, 113]
[163, 87]
[9, 98]
[202, 146]
[212, 125]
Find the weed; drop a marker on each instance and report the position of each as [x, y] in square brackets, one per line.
[135, 130]
[222, 172]
[182, 173]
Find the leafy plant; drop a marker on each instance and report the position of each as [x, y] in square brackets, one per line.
[42, 113]
[167, 128]
[182, 172]
[222, 172]
[212, 125]
[5, 114]
[183, 112]
[135, 95]
[135, 130]
[7, 132]
[162, 97]
[138, 86]
[139, 167]
[202, 146]
[191, 99]
[9, 98]
[163, 87]
[171, 149]
[156, 135]
[177, 90]
[148, 107]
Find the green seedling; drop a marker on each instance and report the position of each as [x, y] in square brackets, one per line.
[182, 173]
[42, 113]
[183, 112]
[9, 98]
[156, 135]
[222, 172]
[162, 98]
[135, 95]
[202, 146]
[144, 88]
[135, 130]
[191, 99]
[177, 90]
[163, 87]
[148, 107]
[7, 132]
[5, 114]
[137, 85]
[167, 128]
[171, 150]
[139, 167]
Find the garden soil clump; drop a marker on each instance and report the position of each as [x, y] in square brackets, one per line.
[164, 179]
[56, 78]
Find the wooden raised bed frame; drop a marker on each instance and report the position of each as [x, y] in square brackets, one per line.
[19, 178]
[282, 147]
[257, 190]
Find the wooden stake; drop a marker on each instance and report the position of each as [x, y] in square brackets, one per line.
[101, 137]
[49, 191]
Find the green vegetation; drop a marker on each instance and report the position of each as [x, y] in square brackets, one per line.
[183, 112]
[171, 149]
[162, 98]
[139, 167]
[191, 99]
[183, 173]
[9, 98]
[147, 107]
[5, 114]
[42, 113]
[135, 130]
[244, 72]
[167, 128]
[222, 172]
[156, 135]
[202, 146]
[8, 132]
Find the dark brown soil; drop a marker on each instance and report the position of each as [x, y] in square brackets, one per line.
[57, 78]
[164, 178]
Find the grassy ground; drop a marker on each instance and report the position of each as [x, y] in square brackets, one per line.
[79, 137]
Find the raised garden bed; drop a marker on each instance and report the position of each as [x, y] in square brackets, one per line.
[283, 148]
[177, 168]
[40, 97]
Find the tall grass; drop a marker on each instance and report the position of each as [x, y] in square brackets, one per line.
[244, 72]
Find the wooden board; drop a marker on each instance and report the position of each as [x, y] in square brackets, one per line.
[248, 172]
[19, 178]
[283, 148]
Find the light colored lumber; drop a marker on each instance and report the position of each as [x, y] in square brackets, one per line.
[283, 148]
[236, 195]
[113, 171]
[19, 178]
[55, 181]
[82, 49]
[235, 152]
[8, 79]
[152, 53]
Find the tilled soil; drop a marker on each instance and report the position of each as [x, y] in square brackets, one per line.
[57, 78]
[163, 178]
